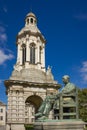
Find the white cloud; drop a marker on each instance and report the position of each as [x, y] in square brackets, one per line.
[84, 67]
[3, 35]
[5, 57]
[3, 39]
[83, 71]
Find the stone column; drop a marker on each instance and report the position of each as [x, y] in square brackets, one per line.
[14, 106]
[20, 55]
[27, 53]
[9, 107]
[38, 54]
[43, 58]
[21, 105]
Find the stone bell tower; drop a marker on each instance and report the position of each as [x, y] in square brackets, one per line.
[30, 81]
[31, 46]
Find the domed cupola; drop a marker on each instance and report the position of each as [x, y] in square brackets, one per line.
[30, 19]
[31, 46]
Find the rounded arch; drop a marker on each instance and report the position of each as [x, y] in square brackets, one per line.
[35, 101]
[32, 53]
[32, 44]
[23, 53]
[31, 20]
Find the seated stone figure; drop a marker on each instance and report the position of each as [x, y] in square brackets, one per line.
[69, 88]
[52, 101]
[45, 107]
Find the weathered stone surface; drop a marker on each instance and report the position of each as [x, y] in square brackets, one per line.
[60, 125]
[14, 127]
[2, 127]
[18, 127]
[32, 75]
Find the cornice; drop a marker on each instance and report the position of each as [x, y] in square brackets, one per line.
[9, 83]
[31, 34]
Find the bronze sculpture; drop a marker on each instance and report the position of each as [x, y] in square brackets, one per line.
[52, 101]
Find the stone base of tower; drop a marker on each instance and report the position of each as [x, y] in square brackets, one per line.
[15, 127]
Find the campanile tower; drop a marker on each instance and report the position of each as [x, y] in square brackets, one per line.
[30, 81]
[31, 46]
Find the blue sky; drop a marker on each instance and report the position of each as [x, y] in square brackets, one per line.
[64, 26]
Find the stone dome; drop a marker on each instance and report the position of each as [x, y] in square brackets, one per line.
[32, 75]
[33, 29]
[31, 15]
[30, 27]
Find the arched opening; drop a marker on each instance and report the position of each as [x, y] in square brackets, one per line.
[32, 104]
[32, 53]
[23, 53]
[27, 21]
[31, 20]
[40, 50]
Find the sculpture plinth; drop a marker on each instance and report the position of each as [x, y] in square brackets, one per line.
[60, 125]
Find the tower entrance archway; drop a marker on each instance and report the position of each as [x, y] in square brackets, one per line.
[32, 104]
